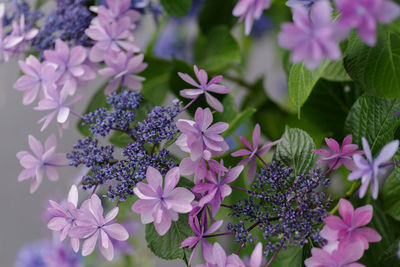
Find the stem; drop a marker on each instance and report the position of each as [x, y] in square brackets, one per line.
[239, 188]
[240, 247]
[389, 164]
[266, 165]
[221, 234]
[273, 257]
[226, 206]
[190, 103]
[76, 114]
[248, 230]
[117, 203]
[94, 190]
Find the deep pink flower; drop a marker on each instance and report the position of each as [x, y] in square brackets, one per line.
[249, 11]
[199, 138]
[217, 188]
[339, 156]
[71, 65]
[92, 225]
[122, 68]
[117, 9]
[311, 35]
[44, 160]
[344, 256]
[252, 152]
[204, 87]
[159, 204]
[201, 231]
[37, 76]
[64, 219]
[349, 228]
[363, 15]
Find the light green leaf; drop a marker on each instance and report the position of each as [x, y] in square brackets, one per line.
[238, 121]
[40, 3]
[120, 139]
[370, 117]
[295, 150]
[292, 256]
[335, 72]
[177, 8]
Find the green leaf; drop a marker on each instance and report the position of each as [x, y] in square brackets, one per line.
[238, 121]
[40, 3]
[295, 150]
[302, 81]
[216, 50]
[230, 111]
[377, 68]
[370, 117]
[391, 191]
[216, 13]
[168, 246]
[336, 72]
[177, 8]
[292, 256]
[120, 139]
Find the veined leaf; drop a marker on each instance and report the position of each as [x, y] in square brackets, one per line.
[177, 8]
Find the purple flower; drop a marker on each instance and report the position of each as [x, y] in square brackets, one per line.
[161, 205]
[253, 152]
[123, 67]
[57, 101]
[44, 160]
[305, 3]
[117, 10]
[250, 10]
[201, 232]
[8, 43]
[348, 229]
[369, 169]
[311, 35]
[204, 87]
[199, 138]
[92, 225]
[344, 256]
[217, 188]
[219, 259]
[71, 65]
[198, 167]
[363, 15]
[339, 156]
[63, 220]
[19, 32]
[37, 76]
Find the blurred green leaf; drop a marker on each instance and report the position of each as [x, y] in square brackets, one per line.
[157, 74]
[292, 256]
[177, 8]
[120, 139]
[216, 13]
[240, 119]
[336, 72]
[230, 111]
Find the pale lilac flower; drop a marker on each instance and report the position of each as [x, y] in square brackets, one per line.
[201, 232]
[339, 156]
[71, 65]
[159, 204]
[19, 31]
[305, 3]
[217, 188]
[64, 219]
[7, 43]
[368, 170]
[57, 101]
[110, 37]
[92, 225]
[201, 139]
[344, 256]
[117, 10]
[122, 68]
[37, 76]
[311, 35]
[363, 15]
[257, 256]
[253, 152]
[44, 160]
[198, 168]
[250, 10]
[219, 258]
[204, 87]
[349, 228]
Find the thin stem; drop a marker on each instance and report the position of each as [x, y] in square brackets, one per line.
[190, 103]
[331, 168]
[273, 257]
[76, 114]
[94, 190]
[240, 247]
[226, 206]
[221, 234]
[260, 158]
[117, 203]
[389, 164]
[239, 188]
[248, 230]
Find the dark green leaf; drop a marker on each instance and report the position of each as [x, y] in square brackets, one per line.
[230, 111]
[216, 13]
[177, 8]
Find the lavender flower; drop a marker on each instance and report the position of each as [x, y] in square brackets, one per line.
[305, 3]
[250, 10]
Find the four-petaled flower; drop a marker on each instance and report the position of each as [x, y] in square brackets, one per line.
[249, 11]
[369, 169]
[204, 87]
[44, 160]
[159, 204]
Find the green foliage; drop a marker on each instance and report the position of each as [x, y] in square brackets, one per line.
[295, 150]
[370, 117]
[292, 256]
[240, 119]
[177, 8]
[216, 13]
[391, 191]
[336, 72]
[120, 139]
[168, 246]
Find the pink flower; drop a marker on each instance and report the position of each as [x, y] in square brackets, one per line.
[201, 232]
[198, 168]
[250, 10]
[57, 101]
[219, 258]
[37, 76]
[253, 152]
[363, 15]
[339, 156]
[311, 35]
[71, 65]
[199, 138]
[161, 205]
[44, 160]
[19, 32]
[123, 67]
[344, 256]
[117, 10]
[217, 188]
[204, 87]
[92, 225]
[63, 220]
[348, 229]
[110, 37]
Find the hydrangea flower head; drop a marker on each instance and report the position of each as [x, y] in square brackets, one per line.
[161, 204]
[311, 36]
[250, 10]
[368, 170]
[204, 87]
